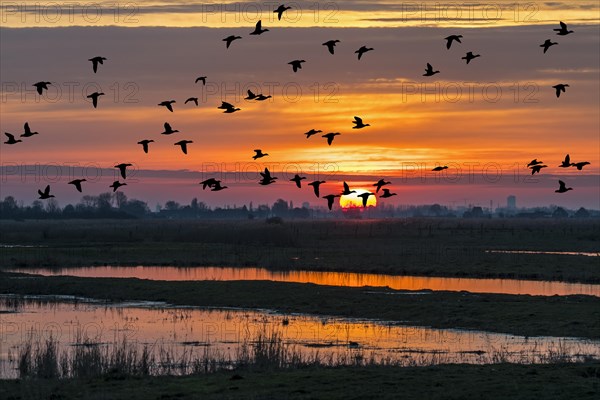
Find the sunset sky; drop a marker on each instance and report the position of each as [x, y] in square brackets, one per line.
[485, 120]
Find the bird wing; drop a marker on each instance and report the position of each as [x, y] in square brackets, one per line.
[26, 127]
[47, 190]
[184, 147]
[448, 42]
[562, 184]
[167, 127]
[567, 159]
[169, 107]
[259, 25]
[563, 25]
[357, 121]
[95, 101]
[226, 105]
[346, 187]
[429, 67]
[95, 65]
[10, 137]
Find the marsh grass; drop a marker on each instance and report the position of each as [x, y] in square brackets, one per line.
[266, 351]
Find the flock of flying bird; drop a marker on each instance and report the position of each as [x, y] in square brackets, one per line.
[267, 179]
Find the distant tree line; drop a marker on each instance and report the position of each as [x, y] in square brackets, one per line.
[118, 206]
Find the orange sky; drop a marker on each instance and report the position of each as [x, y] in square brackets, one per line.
[498, 112]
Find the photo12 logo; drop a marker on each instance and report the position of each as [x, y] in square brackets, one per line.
[68, 13]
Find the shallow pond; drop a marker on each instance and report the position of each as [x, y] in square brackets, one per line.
[350, 279]
[174, 333]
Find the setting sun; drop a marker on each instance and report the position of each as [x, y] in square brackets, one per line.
[353, 200]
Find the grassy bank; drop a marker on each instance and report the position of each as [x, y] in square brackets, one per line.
[577, 316]
[501, 381]
[425, 247]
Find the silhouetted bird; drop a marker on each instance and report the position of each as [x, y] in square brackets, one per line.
[380, 183]
[330, 136]
[296, 64]
[27, 131]
[534, 162]
[40, 86]
[123, 168]
[280, 10]
[429, 71]
[566, 162]
[537, 168]
[258, 30]
[452, 38]
[470, 56]
[144, 144]
[298, 179]
[45, 194]
[94, 96]
[562, 187]
[267, 179]
[362, 50]
[312, 132]
[209, 183]
[251, 96]
[347, 190]
[259, 154]
[358, 122]
[201, 78]
[440, 168]
[330, 198]
[168, 130]
[386, 193]
[563, 31]
[230, 39]
[77, 183]
[95, 61]
[11, 138]
[116, 184]
[194, 99]
[580, 165]
[217, 186]
[228, 107]
[547, 44]
[167, 104]
[331, 45]
[365, 197]
[183, 144]
[315, 185]
[561, 87]
[262, 97]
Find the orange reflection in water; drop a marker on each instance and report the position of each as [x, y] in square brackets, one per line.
[348, 279]
[219, 333]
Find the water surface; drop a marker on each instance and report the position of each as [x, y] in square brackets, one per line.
[348, 279]
[222, 332]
